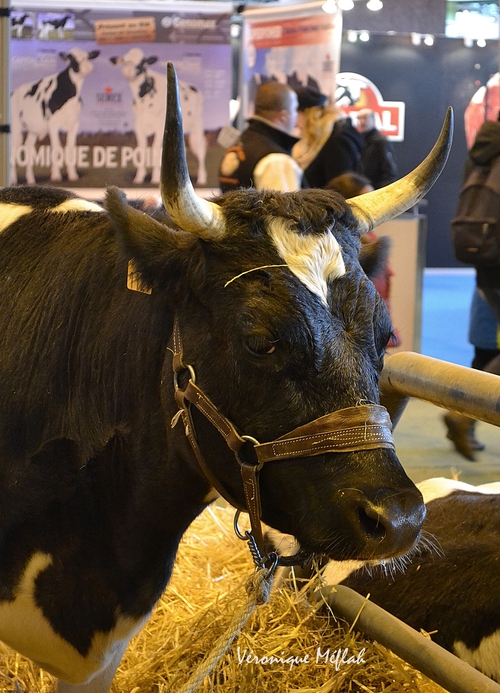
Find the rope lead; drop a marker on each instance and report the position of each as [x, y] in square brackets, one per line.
[258, 587]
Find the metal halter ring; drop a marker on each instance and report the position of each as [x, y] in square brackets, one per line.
[192, 375]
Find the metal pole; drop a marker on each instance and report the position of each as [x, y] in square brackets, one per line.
[4, 92]
[461, 389]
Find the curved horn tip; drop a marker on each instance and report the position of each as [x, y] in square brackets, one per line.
[383, 204]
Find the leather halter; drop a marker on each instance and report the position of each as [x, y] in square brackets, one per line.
[363, 427]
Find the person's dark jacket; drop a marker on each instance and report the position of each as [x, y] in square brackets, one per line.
[257, 141]
[377, 159]
[486, 146]
[341, 153]
[485, 149]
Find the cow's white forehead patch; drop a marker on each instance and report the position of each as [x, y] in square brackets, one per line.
[314, 259]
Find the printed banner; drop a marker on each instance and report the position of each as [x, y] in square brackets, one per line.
[297, 45]
[89, 93]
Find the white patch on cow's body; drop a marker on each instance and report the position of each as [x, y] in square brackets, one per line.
[25, 628]
[485, 657]
[337, 571]
[314, 259]
[10, 213]
[440, 487]
[77, 204]
[334, 571]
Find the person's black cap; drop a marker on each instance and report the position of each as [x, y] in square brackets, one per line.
[309, 97]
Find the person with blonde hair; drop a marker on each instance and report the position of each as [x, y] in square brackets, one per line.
[329, 144]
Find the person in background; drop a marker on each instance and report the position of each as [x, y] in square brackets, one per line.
[484, 151]
[262, 157]
[484, 335]
[377, 156]
[484, 318]
[374, 256]
[330, 145]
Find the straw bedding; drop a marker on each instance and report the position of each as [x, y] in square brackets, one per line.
[206, 590]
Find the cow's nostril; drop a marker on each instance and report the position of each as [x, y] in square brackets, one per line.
[371, 523]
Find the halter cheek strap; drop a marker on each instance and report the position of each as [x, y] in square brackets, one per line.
[363, 427]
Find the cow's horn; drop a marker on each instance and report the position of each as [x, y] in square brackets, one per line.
[187, 209]
[381, 205]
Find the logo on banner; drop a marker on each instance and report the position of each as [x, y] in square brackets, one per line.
[354, 92]
[108, 95]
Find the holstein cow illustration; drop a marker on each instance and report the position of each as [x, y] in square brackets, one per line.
[450, 587]
[46, 107]
[149, 97]
[57, 24]
[143, 367]
[17, 24]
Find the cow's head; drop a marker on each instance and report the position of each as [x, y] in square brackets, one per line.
[79, 61]
[133, 63]
[282, 326]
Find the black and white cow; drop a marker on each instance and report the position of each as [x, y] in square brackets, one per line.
[148, 89]
[47, 107]
[450, 587]
[57, 24]
[261, 300]
[17, 24]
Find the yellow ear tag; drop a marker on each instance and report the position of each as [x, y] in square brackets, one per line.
[134, 281]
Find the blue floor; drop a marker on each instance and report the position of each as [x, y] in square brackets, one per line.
[445, 314]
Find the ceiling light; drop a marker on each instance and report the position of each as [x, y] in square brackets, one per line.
[352, 36]
[374, 5]
[429, 40]
[468, 42]
[330, 7]
[364, 36]
[481, 43]
[346, 5]
[416, 39]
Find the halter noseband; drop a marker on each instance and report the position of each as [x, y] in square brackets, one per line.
[363, 427]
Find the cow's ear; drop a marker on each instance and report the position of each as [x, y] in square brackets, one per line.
[151, 60]
[63, 56]
[94, 54]
[150, 243]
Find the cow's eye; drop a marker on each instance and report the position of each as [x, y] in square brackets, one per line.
[260, 345]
